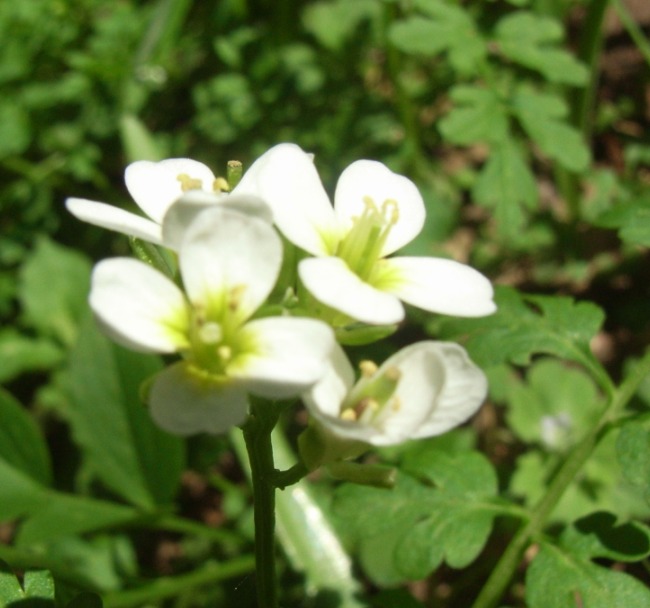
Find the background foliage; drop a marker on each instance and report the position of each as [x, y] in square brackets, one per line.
[523, 122]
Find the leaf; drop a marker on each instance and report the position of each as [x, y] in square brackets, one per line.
[555, 407]
[525, 325]
[478, 115]
[20, 493]
[447, 28]
[138, 142]
[542, 116]
[530, 40]
[10, 589]
[21, 443]
[631, 219]
[86, 600]
[633, 452]
[122, 446]
[20, 354]
[54, 283]
[507, 185]
[559, 579]
[442, 508]
[39, 584]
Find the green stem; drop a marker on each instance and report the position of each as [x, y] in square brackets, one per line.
[257, 434]
[633, 29]
[583, 100]
[165, 587]
[505, 568]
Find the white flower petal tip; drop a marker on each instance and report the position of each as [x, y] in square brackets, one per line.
[138, 306]
[185, 210]
[114, 218]
[394, 197]
[154, 186]
[185, 402]
[332, 283]
[440, 285]
[423, 390]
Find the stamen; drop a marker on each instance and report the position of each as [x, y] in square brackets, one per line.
[367, 368]
[348, 414]
[189, 183]
[225, 353]
[220, 185]
[235, 296]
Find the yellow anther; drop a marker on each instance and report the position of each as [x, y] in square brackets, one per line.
[220, 184]
[210, 333]
[390, 210]
[367, 403]
[224, 352]
[189, 183]
[367, 368]
[393, 374]
[348, 415]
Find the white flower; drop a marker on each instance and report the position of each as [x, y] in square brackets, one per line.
[229, 263]
[422, 390]
[155, 187]
[375, 213]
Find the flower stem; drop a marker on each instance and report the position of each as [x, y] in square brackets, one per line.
[505, 568]
[257, 434]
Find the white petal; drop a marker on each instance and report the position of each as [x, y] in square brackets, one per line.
[155, 186]
[229, 259]
[326, 396]
[463, 390]
[138, 306]
[181, 213]
[371, 179]
[285, 177]
[439, 285]
[114, 218]
[331, 282]
[291, 354]
[184, 403]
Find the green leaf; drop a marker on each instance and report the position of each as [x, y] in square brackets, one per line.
[20, 493]
[39, 583]
[122, 446]
[560, 579]
[139, 143]
[633, 451]
[527, 325]
[631, 219]
[10, 589]
[555, 407]
[20, 354]
[86, 600]
[69, 515]
[447, 28]
[334, 23]
[478, 115]
[442, 508]
[543, 117]
[54, 284]
[21, 443]
[507, 185]
[530, 40]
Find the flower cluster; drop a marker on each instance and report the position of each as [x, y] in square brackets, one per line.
[231, 324]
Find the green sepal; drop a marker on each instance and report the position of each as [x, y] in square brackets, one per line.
[318, 447]
[375, 475]
[358, 334]
[150, 254]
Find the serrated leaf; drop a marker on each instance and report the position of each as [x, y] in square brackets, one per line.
[120, 442]
[478, 116]
[526, 325]
[54, 284]
[631, 219]
[530, 40]
[10, 589]
[599, 535]
[558, 579]
[555, 407]
[441, 508]
[20, 354]
[21, 443]
[543, 117]
[39, 584]
[507, 185]
[446, 28]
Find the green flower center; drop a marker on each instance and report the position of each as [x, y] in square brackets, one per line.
[362, 246]
[373, 396]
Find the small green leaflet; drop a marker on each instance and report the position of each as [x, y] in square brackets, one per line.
[631, 219]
